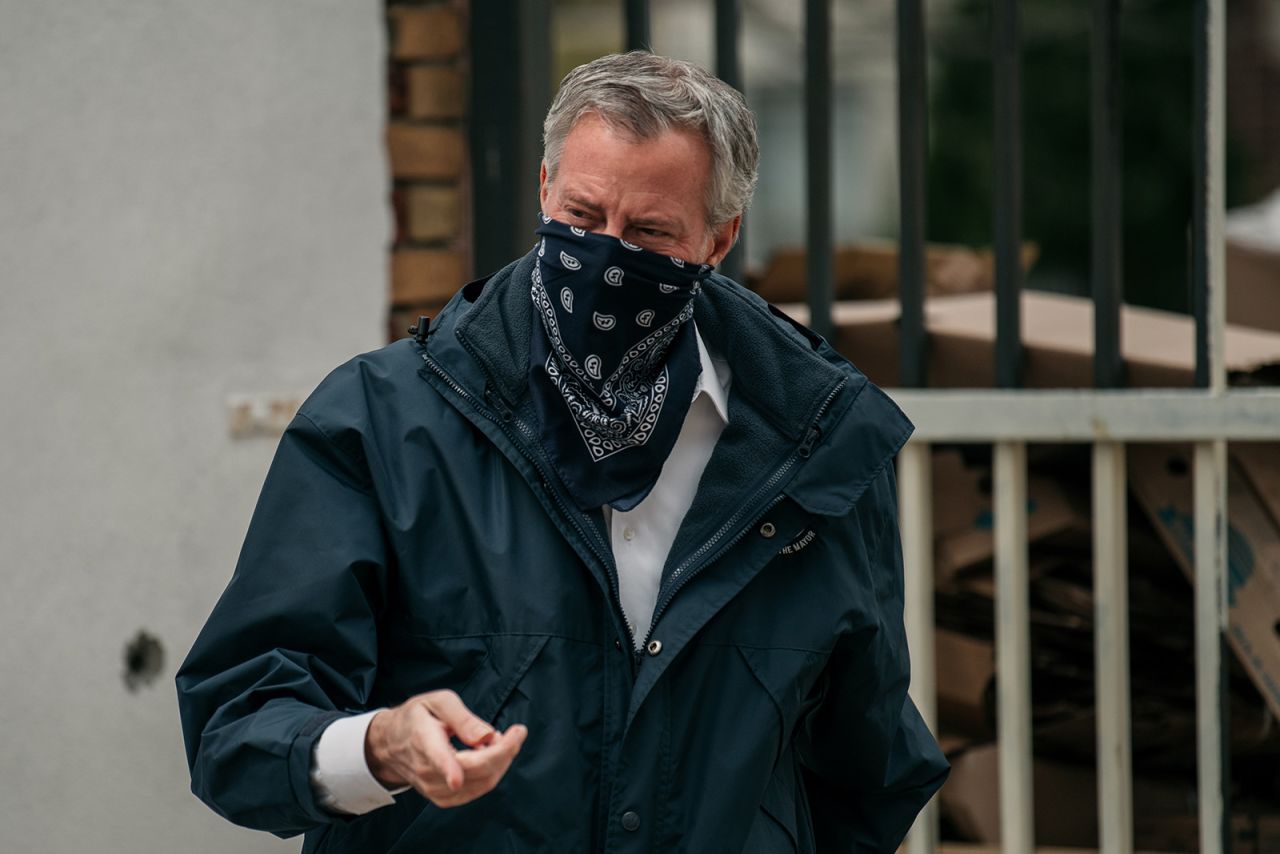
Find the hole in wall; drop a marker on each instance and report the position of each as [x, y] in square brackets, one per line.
[143, 660]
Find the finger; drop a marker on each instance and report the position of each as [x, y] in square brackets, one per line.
[503, 747]
[481, 782]
[474, 788]
[434, 743]
[490, 764]
[496, 771]
[442, 796]
[465, 795]
[449, 708]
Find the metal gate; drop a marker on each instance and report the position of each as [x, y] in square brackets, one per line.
[1107, 418]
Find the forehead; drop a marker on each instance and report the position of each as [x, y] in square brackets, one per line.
[671, 169]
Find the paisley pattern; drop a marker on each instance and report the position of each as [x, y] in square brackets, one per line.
[633, 387]
[613, 355]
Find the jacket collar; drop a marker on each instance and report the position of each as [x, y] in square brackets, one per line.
[790, 390]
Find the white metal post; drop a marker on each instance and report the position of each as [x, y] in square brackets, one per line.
[915, 508]
[1211, 623]
[1211, 522]
[1111, 648]
[1013, 648]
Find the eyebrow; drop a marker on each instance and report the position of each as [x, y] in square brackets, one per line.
[653, 222]
[581, 202]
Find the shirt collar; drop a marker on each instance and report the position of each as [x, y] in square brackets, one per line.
[714, 379]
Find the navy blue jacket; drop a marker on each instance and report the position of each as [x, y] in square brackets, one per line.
[411, 536]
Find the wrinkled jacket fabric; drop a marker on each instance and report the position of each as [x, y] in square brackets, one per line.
[411, 536]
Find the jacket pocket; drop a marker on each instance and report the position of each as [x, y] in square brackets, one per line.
[788, 677]
[507, 660]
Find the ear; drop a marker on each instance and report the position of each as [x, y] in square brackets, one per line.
[544, 185]
[723, 238]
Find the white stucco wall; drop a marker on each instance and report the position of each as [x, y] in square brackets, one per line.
[192, 205]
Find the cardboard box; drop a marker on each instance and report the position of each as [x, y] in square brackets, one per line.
[1065, 812]
[1160, 476]
[1253, 285]
[1250, 834]
[1260, 462]
[869, 270]
[1160, 835]
[965, 674]
[1253, 264]
[1065, 800]
[1057, 335]
[963, 520]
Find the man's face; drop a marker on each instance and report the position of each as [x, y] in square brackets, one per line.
[650, 192]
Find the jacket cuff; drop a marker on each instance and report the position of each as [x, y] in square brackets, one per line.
[301, 752]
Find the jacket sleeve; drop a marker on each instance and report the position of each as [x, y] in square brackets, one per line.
[870, 763]
[292, 643]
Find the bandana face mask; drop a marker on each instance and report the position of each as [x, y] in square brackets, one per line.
[614, 360]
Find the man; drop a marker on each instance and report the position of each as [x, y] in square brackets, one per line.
[606, 559]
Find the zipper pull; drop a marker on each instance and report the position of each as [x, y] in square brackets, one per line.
[496, 401]
[421, 329]
[810, 439]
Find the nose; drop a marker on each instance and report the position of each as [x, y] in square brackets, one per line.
[611, 227]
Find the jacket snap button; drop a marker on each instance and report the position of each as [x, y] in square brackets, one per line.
[654, 647]
[767, 530]
[617, 644]
[630, 820]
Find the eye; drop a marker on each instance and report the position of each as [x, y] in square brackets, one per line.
[652, 232]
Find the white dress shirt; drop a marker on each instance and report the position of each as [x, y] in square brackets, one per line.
[641, 538]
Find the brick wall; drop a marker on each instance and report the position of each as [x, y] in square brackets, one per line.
[427, 148]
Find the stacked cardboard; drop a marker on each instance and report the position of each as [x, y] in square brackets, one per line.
[1158, 350]
[869, 270]
[1253, 264]
[1057, 334]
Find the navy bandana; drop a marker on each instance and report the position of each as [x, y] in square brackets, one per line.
[613, 360]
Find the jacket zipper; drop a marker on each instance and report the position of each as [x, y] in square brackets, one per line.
[504, 420]
[681, 575]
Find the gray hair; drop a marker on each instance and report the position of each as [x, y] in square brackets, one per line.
[644, 95]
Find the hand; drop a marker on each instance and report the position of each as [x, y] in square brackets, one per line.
[409, 746]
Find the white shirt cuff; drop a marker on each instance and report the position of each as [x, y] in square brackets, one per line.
[340, 776]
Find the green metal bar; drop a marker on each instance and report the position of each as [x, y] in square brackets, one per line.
[913, 135]
[817, 90]
[1007, 67]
